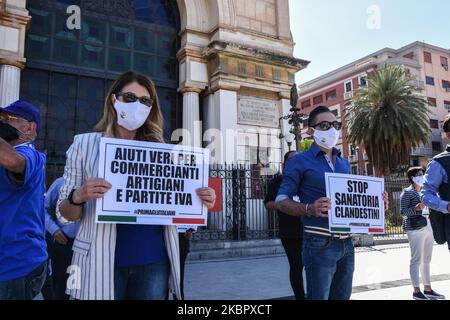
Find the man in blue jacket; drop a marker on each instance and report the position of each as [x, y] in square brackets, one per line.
[23, 252]
[328, 259]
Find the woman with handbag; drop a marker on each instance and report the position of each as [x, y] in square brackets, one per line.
[420, 235]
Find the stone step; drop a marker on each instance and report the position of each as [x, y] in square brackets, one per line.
[234, 249]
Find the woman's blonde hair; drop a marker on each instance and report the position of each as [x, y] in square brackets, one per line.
[153, 128]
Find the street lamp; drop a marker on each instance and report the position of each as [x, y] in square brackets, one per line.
[357, 159]
[289, 137]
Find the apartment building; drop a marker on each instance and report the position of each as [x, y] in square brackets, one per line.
[427, 63]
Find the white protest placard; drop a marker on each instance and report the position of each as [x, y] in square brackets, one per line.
[356, 204]
[152, 183]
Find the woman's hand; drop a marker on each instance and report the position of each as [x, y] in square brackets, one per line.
[207, 196]
[93, 188]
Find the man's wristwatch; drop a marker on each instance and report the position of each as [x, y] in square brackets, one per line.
[70, 198]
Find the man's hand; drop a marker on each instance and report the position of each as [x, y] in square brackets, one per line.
[420, 206]
[93, 188]
[60, 237]
[317, 208]
[386, 200]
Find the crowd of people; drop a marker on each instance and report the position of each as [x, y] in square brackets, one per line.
[50, 242]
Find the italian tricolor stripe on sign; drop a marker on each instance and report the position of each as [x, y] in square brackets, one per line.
[341, 229]
[116, 219]
[187, 221]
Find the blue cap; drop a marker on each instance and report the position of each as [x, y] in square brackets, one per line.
[25, 110]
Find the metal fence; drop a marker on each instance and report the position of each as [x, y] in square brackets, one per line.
[243, 215]
[394, 185]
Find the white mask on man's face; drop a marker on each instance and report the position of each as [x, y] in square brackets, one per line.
[131, 115]
[326, 139]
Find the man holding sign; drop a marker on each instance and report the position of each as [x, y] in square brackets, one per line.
[328, 257]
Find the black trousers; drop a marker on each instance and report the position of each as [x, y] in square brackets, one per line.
[293, 248]
[184, 251]
[61, 260]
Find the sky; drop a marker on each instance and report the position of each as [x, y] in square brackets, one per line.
[333, 33]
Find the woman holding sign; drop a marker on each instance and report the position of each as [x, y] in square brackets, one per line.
[420, 234]
[118, 261]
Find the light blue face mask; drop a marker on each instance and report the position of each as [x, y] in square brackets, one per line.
[419, 180]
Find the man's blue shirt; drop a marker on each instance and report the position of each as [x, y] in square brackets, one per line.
[434, 177]
[22, 218]
[52, 225]
[304, 176]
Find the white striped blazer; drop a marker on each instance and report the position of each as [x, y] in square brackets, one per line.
[92, 270]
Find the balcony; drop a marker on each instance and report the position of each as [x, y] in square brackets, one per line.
[417, 83]
[401, 61]
[348, 95]
[424, 152]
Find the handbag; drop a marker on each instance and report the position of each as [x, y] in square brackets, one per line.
[418, 222]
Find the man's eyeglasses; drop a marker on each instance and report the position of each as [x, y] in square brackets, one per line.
[6, 117]
[326, 125]
[129, 97]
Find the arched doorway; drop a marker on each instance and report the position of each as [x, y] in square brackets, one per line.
[68, 72]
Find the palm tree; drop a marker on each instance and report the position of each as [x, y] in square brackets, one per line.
[389, 117]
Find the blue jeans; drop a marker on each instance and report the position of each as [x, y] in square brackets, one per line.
[147, 282]
[329, 264]
[25, 288]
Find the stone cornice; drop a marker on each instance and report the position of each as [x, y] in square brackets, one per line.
[12, 18]
[15, 63]
[255, 54]
[189, 89]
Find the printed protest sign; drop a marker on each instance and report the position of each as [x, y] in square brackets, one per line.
[356, 203]
[152, 183]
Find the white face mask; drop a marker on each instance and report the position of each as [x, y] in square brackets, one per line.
[419, 181]
[131, 115]
[326, 139]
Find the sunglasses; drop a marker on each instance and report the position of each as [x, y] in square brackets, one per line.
[6, 117]
[129, 97]
[326, 125]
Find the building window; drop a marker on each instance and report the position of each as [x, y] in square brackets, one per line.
[331, 95]
[318, 99]
[432, 102]
[429, 81]
[363, 81]
[445, 84]
[447, 105]
[306, 104]
[355, 170]
[436, 145]
[259, 71]
[276, 75]
[335, 112]
[444, 63]
[242, 68]
[348, 86]
[291, 77]
[434, 124]
[427, 57]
